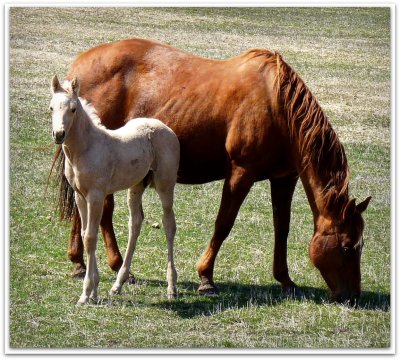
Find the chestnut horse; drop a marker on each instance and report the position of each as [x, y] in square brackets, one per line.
[245, 119]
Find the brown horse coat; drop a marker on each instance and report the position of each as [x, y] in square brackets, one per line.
[243, 119]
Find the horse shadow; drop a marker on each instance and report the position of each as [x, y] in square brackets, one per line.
[189, 304]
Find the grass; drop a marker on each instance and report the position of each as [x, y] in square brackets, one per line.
[343, 54]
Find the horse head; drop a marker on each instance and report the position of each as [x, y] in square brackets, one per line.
[63, 106]
[336, 252]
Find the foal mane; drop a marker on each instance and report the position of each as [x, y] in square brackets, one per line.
[91, 112]
[318, 144]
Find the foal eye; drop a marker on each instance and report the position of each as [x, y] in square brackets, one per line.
[51, 108]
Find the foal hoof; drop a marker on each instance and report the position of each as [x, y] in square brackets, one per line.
[114, 291]
[208, 290]
[83, 300]
[172, 296]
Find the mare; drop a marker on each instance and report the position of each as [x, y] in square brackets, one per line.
[244, 119]
[99, 162]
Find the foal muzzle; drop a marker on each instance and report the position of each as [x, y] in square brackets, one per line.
[59, 136]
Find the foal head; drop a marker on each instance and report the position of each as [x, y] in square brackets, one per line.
[336, 252]
[63, 106]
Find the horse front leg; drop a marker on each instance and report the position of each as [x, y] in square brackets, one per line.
[94, 209]
[281, 196]
[236, 187]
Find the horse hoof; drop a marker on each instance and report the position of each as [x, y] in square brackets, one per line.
[208, 290]
[292, 292]
[79, 272]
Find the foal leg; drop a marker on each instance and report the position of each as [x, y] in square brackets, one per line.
[135, 223]
[236, 187]
[281, 196]
[94, 210]
[167, 198]
[76, 248]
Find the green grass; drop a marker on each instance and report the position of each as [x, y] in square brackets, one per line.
[343, 54]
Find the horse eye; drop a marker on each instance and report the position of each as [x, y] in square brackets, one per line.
[346, 249]
[51, 108]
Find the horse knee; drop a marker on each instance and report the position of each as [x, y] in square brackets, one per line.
[90, 243]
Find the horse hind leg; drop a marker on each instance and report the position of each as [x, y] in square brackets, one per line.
[236, 187]
[114, 258]
[134, 200]
[76, 248]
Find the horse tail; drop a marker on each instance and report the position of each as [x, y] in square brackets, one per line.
[65, 199]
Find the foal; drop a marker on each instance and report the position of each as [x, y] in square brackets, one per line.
[99, 162]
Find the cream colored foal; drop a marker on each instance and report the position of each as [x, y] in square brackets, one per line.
[100, 162]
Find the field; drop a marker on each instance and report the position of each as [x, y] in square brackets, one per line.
[343, 54]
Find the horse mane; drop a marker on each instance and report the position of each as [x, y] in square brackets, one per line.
[319, 145]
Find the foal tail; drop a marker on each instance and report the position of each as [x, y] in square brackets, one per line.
[65, 199]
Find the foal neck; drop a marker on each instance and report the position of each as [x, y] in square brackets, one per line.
[83, 131]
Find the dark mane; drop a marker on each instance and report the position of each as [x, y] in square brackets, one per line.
[319, 146]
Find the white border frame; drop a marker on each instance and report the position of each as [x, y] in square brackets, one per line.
[4, 182]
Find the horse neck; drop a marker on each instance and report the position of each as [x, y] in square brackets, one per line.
[318, 153]
[326, 199]
[81, 134]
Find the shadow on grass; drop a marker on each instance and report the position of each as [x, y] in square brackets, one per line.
[190, 304]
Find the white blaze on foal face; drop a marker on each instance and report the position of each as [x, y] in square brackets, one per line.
[63, 107]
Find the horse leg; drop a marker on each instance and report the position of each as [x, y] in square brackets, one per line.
[281, 195]
[94, 203]
[134, 200]
[236, 187]
[75, 247]
[114, 258]
[167, 200]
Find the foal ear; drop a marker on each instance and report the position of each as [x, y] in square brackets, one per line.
[349, 209]
[75, 86]
[363, 205]
[55, 84]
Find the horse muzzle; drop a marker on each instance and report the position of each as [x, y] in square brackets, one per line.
[59, 136]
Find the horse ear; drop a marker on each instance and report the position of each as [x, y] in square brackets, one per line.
[363, 205]
[349, 209]
[55, 84]
[75, 86]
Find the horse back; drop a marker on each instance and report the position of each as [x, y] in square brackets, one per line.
[221, 110]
